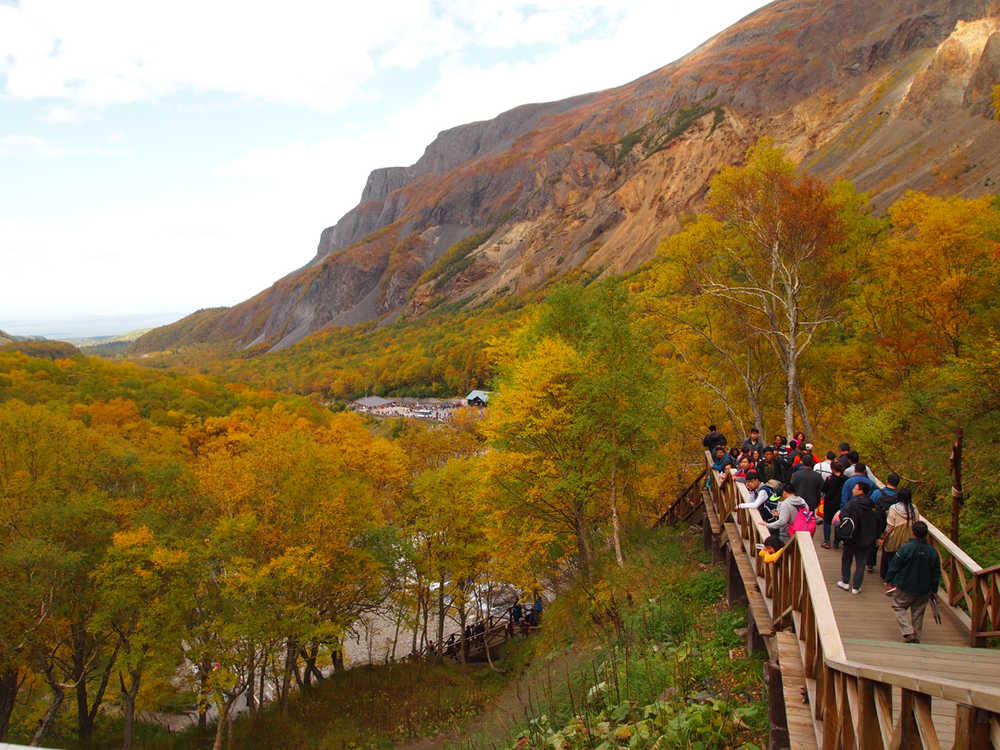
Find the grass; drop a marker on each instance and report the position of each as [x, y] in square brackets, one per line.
[647, 652]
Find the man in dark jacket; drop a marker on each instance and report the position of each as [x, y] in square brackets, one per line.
[883, 499]
[832, 487]
[868, 527]
[713, 439]
[752, 443]
[915, 571]
[765, 469]
[782, 463]
[807, 483]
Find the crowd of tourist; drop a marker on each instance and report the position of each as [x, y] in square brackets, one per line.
[793, 489]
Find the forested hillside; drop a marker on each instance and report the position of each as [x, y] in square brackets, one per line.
[177, 538]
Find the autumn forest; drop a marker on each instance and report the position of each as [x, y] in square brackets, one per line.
[205, 521]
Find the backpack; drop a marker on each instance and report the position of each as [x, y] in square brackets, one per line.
[805, 520]
[846, 529]
[783, 466]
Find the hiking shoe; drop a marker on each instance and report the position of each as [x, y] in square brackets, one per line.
[826, 545]
[910, 639]
[855, 591]
[844, 586]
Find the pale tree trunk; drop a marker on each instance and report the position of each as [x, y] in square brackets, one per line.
[614, 517]
[791, 371]
[463, 651]
[758, 413]
[803, 411]
[58, 693]
[251, 686]
[416, 623]
[291, 659]
[263, 680]
[223, 722]
[438, 654]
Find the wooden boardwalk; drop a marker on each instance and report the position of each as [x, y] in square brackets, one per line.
[839, 673]
[870, 635]
[868, 616]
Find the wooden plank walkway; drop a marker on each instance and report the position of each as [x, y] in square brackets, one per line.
[868, 616]
[870, 635]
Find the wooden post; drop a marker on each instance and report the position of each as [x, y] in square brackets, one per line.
[778, 736]
[735, 592]
[754, 642]
[972, 728]
[957, 499]
[909, 733]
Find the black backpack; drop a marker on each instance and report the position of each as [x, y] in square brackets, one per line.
[846, 529]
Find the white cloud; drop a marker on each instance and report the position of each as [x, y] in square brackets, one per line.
[252, 219]
[60, 116]
[17, 144]
[125, 50]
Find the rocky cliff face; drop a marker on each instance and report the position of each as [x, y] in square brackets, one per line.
[893, 95]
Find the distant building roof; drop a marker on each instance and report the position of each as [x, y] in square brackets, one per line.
[372, 402]
[483, 396]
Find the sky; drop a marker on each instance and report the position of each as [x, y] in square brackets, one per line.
[158, 157]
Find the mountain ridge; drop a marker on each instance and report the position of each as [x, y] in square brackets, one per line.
[892, 95]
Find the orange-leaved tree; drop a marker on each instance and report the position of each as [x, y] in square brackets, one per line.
[768, 255]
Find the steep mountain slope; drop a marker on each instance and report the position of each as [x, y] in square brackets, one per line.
[892, 95]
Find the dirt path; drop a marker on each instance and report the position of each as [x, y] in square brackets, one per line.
[507, 710]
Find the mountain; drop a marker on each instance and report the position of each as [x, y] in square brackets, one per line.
[7, 338]
[893, 95]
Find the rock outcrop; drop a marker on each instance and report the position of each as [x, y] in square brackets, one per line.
[892, 95]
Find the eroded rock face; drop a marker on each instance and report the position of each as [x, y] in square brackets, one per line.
[946, 84]
[891, 94]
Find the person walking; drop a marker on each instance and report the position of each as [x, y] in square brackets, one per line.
[867, 523]
[713, 439]
[807, 482]
[915, 574]
[900, 518]
[883, 499]
[832, 487]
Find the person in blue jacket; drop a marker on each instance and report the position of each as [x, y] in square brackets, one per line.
[860, 476]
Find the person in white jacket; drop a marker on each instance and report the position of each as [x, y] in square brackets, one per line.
[759, 495]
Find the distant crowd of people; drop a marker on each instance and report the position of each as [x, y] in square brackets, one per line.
[793, 488]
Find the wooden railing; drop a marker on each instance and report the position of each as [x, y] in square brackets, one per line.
[851, 702]
[971, 591]
[686, 503]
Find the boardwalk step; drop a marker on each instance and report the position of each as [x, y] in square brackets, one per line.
[801, 730]
[758, 608]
